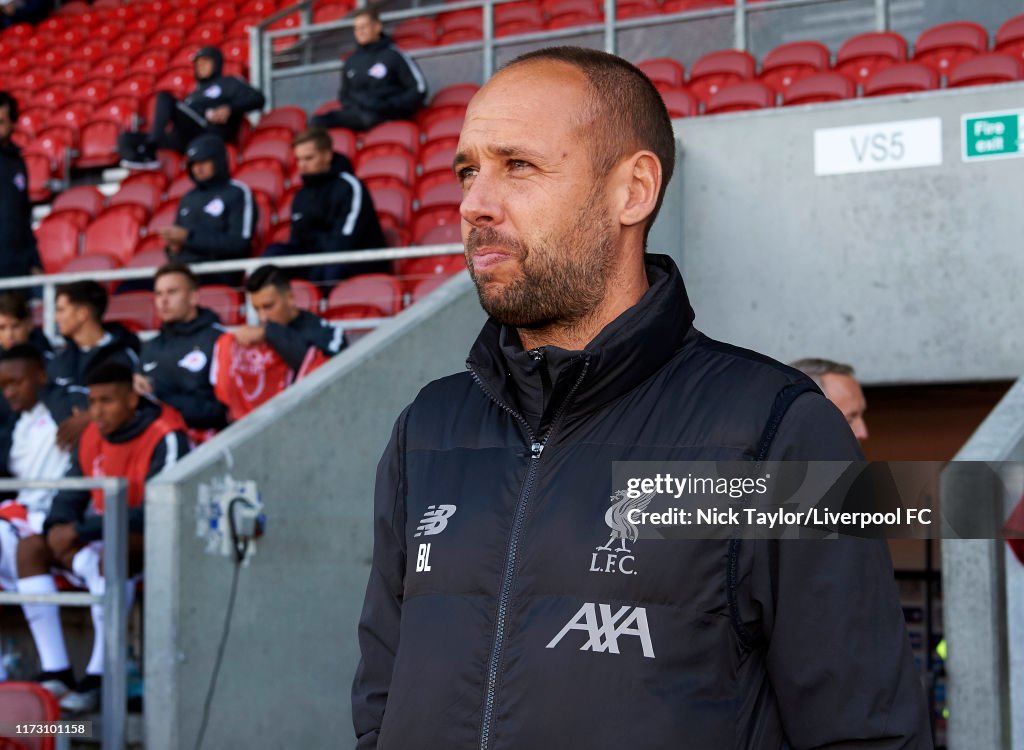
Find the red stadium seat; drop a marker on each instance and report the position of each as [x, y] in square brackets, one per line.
[790, 62]
[682, 6]
[72, 73]
[107, 30]
[264, 219]
[861, 56]
[430, 218]
[52, 97]
[224, 301]
[438, 188]
[636, 9]
[89, 52]
[149, 253]
[135, 310]
[209, 33]
[39, 168]
[54, 143]
[441, 234]
[942, 47]
[135, 85]
[179, 81]
[716, 70]
[328, 12]
[437, 160]
[270, 148]
[457, 93]
[74, 115]
[223, 13]
[146, 24]
[120, 109]
[987, 69]
[293, 118]
[92, 92]
[399, 133]
[680, 103]
[664, 71]
[115, 232]
[399, 167]
[137, 193]
[130, 44]
[905, 78]
[471, 19]
[378, 289]
[152, 61]
[394, 202]
[458, 36]
[241, 25]
[172, 163]
[98, 144]
[261, 175]
[179, 186]
[72, 36]
[446, 131]
[84, 197]
[568, 19]
[432, 265]
[33, 120]
[343, 141]
[422, 28]
[527, 13]
[1010, 37]
[93, 262]
[516, 28]
[307, 295]
[30, 703]
[180, 18]
[164, 216]
[819, 87]
[740, 97]
[59, 236]
[259, 8]
[185, 55]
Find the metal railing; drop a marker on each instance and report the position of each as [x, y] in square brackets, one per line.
[261, 37]
[115, 573]
[50, 282]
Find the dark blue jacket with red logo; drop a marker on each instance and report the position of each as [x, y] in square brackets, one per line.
[515, 629]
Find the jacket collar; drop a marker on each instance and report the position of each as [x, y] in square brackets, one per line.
[625, 353]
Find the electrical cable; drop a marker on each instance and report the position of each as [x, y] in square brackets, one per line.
[240, 549]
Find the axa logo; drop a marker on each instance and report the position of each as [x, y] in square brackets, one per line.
[434, 520]
[619, 559]
[603, 628]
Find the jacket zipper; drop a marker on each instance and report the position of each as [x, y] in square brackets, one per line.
[536, 450]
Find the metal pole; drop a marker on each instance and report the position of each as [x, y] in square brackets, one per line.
[610, 45]
[255, 57]
[305, 19]
[115, 617]
[488, 61]
[881, 15]
[268, 71]
[740, 40]
[49, 317]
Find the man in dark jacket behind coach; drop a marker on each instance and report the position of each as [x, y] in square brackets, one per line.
[216, 219]
[18, 253]
[486, 623]
[379, 81]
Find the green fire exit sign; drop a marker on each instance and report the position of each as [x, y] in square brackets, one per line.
[992, 135]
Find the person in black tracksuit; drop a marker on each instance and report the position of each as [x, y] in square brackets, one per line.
[291, 332]
[19, 255]
[217, 218]
[216, 106]
[507, 605]
[378, 83]
[332, 212]
[175, 365]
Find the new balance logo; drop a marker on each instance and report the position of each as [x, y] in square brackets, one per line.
[434, 520]
[603, 628]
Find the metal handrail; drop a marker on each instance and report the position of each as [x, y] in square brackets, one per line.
[50, 282]
[261, 36]
[115, 572]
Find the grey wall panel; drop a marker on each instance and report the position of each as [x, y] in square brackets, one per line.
[912, 275]
[292, 651]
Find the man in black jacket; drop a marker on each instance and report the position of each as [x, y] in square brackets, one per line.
[288, 330]
[498, 614]
[88, 341]
[18, 253]
[176, 363]
[332, 212]
[217, 107]
[217, 218]
[379, 81]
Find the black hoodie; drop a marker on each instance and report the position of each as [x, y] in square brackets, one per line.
[218, 90]
[219, 213]
[380, 78]
[18, 253]
[72, 506]
[333, 212]
[70, 365]
[178, 362]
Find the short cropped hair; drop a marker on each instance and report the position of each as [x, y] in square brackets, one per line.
[367, 11]
[13, 305]
[109, 372]
[10, 103]
[319, 137]
[265, 276]
[817, 368]
[24, 353]
[86, 294]
[627, 113]
[175, 267]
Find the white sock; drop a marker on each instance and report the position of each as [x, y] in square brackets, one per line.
[95, 665]
[44, 622]
[86, 565]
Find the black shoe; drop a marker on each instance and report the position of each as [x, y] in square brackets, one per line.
[58, 684]
[85, 698]
[144, 157]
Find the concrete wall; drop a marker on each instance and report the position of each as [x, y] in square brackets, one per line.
[292, 651]
[912, 275]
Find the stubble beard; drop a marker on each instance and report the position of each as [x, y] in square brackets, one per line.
[562, 282]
